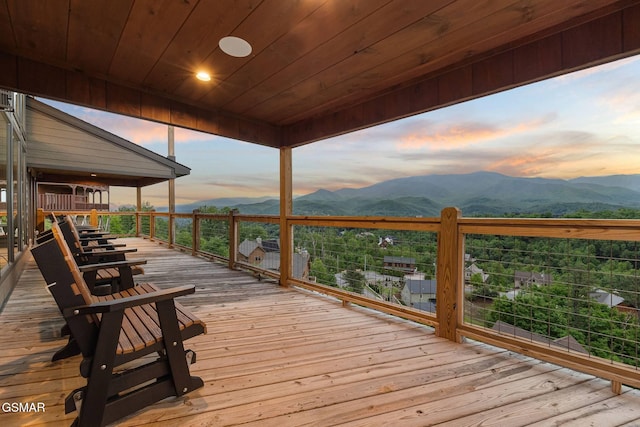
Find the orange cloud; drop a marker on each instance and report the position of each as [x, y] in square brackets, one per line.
[463, 134]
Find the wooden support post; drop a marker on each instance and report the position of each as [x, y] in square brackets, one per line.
[93, 218]
[448, 274]
[195, 232]
[138, 209]
[40, 220]
[152, 224]
[233, 238]
[286, 210]
[171, 155]
[171, 231]
[616, 387]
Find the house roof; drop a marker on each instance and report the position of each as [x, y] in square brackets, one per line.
[566, 342]
[326, 68]
[532, 276]
[271, 261]
[399, 260]
[248, 246]
[421, 286]
[606, 298]
[63, 148]
[425, 306]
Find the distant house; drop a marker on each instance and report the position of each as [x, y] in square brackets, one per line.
[270, 245]
[420, 294]
[472, 269]
[401, 264]
[615, 301]
[383, 242]
[301, 264]
[566, 342]
[266, 254]
[606, 298]
[251, 251]
[528, 278]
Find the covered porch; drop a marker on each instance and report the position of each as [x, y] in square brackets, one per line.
[276, 356]
[280, 354]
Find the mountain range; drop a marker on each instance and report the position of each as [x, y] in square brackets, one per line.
[479, 193]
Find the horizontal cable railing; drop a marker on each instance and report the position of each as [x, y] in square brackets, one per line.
[383, 263]
[565, 291]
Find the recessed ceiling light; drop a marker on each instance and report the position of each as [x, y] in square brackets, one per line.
[203, 75]
[235, 46]
[94, 175]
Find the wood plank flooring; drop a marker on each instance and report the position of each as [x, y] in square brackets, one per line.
[286, 357]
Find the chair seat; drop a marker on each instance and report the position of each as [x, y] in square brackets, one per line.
[141, 326]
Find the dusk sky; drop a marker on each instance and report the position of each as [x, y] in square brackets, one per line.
[582, 124]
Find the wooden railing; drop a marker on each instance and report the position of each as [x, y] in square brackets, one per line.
[68, 202]
[450, 228]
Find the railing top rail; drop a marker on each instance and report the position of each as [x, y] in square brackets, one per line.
[400, 223]
[551, 222]
[273, 219]
[570, 228]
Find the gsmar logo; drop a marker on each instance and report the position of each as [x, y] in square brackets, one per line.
[23, 407]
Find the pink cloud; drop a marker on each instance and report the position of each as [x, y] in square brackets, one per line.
[446, 136]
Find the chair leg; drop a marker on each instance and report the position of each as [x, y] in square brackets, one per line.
[174, 348]
[97, 390]
[69, 350]
[64, 331]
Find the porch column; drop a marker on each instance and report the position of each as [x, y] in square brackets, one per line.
[138, 209]
[286, 209]
[449, 275]
[171, 154]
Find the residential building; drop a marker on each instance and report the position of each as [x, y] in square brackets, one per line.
[404, 265]
[420, 294]
[527, 278]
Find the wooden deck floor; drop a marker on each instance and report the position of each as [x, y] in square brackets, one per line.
[285, 357]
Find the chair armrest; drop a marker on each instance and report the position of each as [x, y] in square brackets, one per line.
[128, 302]
[106, 246]
[92, 234]
[91, 253]
[113, 264]
[93, 237]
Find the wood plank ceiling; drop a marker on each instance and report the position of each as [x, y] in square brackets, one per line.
[318, 68]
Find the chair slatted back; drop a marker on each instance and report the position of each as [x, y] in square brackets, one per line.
[67, 286]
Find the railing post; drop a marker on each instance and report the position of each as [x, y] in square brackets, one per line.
[40, 220]
[152, 225]
[448, 274]
[286, 210]
[170, 232]
[233, 238]
[138, 223]
[195, 232]
[93, 218]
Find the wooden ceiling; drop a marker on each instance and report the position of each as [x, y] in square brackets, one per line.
[318, 68]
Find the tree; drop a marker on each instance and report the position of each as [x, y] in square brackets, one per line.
[321, 273]
[557, 310]
[355, 281]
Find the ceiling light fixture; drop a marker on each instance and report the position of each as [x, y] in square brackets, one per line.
[235, 46]
[203, 76]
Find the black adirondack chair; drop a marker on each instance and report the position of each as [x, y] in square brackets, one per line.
[104, 266]
[120, 328]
